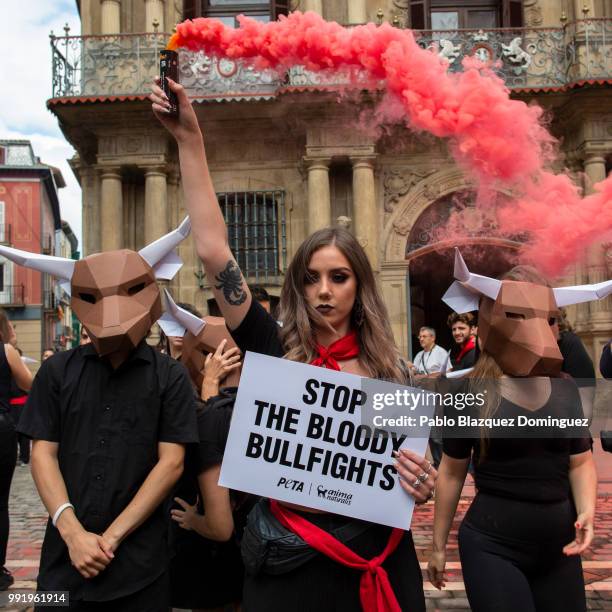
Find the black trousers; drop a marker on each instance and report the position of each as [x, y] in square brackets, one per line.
[322, 585]
[24, 448]
[153, 598]
[22, 440]
[8, 459]
[512, 559]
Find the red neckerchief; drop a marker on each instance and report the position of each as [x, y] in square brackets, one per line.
[375, 590]
[345, 348]
[466, 348]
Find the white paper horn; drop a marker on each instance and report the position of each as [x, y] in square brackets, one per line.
[566, 296]
[160, 254]
[58, 266]
[176, 317]
[464, 294]
[481, 284]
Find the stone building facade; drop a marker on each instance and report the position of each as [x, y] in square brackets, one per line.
[287, 157]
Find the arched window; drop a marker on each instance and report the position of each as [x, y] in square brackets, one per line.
[465, 14]
[227, 10]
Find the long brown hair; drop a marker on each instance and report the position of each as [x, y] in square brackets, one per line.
[378, 352]
[486, 378]
[5, 329]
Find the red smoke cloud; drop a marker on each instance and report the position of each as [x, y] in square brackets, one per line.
[501, 142]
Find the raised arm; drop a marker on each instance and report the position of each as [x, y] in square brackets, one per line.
[207, 222]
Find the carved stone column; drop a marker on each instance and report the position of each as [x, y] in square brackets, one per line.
[357, 11]
[595, 170]
[580, 4]
[110, 17]
[319, 199]
[312, 5]
[154, 10]
[393, 287]
[111, 209]
[156, 204]
[91, 211]
[365, 214]
[86, 12]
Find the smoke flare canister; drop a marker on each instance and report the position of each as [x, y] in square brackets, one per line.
[168, 67]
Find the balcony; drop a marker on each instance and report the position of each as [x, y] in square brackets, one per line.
[120, 65]
[12, 295]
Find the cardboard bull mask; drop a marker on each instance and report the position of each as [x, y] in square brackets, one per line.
[515, 318]
[113, 294]
[200, 337]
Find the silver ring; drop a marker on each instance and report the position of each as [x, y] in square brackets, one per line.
[416, 484]
[423, 477]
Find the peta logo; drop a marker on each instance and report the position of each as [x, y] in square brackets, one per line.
[294, 485]
[335, 495]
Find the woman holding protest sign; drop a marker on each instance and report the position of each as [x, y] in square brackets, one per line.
[333, 316]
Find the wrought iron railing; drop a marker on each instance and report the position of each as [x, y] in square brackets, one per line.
[531, 57]
[125, 64]
[12, 295]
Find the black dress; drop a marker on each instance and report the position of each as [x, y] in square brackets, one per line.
[605, 363]
[8, 450]
[205, 573]
[322, 584]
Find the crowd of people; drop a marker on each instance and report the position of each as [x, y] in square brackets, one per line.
[128, 440]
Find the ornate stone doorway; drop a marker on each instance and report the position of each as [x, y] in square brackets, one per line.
[430, 257]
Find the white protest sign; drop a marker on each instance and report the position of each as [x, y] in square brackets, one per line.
[304, 434]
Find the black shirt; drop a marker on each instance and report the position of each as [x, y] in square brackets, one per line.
[467, 359]
[6, 378]
[108, 424]
[213, 428]
[576, 361]
[529, 469]
[605, 363]
[258, 332]
[213, 423]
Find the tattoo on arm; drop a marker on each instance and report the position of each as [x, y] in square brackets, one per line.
[230, 282]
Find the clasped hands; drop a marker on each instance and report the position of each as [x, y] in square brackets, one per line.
[90, 553]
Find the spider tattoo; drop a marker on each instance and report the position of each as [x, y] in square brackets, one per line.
[230, 282]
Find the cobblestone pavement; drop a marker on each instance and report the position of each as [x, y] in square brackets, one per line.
[28, 520]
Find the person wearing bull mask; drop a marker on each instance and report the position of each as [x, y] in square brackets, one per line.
[533, 514]
[109, 421]
[206, 571]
